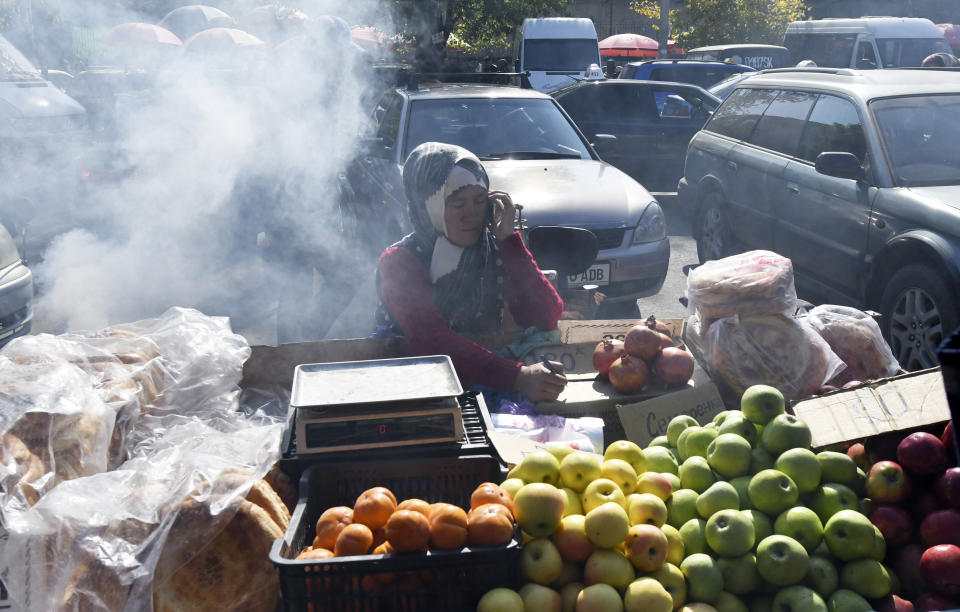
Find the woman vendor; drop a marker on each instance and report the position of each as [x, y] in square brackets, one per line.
[453, 273]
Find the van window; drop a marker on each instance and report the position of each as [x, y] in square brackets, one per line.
[908, 51]
[704, 76]
[710, 56]
[833, 126]
[827, 50]
[781, 125]
[740, 112]
[559, 53]
[866, 58]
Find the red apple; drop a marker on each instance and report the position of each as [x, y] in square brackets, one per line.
[941, 527]
[940, 566]
[906, 565]
[932, 601]
[922, 453]
[948, 439]
[923, 503]
[892, 603]
[858, 453]
[887, 482]
[894, 523]
[947, 487]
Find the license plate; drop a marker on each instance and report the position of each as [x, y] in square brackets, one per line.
[597, 274]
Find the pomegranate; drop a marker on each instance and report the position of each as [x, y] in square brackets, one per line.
[665, 341]
[642, 341]
[660, 326]
[674, 365]
[628, 374]
[608, 351]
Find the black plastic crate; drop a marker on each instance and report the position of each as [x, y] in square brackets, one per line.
[435, 580]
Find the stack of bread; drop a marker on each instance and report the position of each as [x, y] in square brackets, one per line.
[856, 338]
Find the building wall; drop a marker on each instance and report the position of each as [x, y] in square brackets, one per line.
[938, 11]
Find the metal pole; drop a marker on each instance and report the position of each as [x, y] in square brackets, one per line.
[664, 28]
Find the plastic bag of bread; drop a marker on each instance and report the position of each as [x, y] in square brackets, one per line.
[752, 283]
[777, 350]
[856, 338]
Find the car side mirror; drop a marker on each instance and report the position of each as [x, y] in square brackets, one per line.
[840, 165]
[568, 250]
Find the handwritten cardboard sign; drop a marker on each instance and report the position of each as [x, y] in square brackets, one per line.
[593, 331]
[889, 404]
[512, 448]
[644, 421]
[576, 358]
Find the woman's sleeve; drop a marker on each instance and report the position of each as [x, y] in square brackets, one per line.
[407, 296]
[533, 300]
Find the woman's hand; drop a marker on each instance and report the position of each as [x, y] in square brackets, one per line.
[504, 215]
[537, 383]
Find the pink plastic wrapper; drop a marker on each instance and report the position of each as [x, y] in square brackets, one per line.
[752, 283]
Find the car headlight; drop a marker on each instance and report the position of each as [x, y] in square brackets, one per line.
[652, 225]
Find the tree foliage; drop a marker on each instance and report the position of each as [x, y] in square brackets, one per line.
[716, 22]
[491, 23]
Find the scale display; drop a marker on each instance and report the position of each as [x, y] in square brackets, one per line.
[379, 430]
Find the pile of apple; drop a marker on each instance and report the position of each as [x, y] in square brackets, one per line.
[915, 502]
[738, 514]
[647, 353]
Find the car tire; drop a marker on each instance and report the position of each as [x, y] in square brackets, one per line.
[713, 232]
[920, 310]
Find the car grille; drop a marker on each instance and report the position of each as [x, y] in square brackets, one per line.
[609, 238]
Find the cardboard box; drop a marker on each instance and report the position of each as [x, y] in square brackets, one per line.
[891, 404]
[644, 421]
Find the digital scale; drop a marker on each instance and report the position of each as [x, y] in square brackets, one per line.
[355, 405]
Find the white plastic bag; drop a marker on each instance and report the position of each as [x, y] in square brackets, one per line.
[584, 433]
[752, 283]
[856, 338]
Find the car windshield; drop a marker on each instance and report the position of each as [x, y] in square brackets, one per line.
[14, 66]
[920, 134]
[496, 127]
[559, 53]
[896, 52]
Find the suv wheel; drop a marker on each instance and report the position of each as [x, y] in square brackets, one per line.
[919, 311]
[713, 235]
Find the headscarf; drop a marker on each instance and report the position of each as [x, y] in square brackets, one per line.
[467, 282]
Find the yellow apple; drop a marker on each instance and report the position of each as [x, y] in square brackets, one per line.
[601, 491]
[599, 598]
[646, 508]
[646, 547]
[608, 567]
[571, 502]
[569, 594]
[656, 483]
[578, 469]
[571, 539]
[620, 472]
[538, 508]
[511, 486]
[501, 600]
[675, 549]
[629, 452]
[647, 595]
[607, 525]
[540, 466]
[539, 597]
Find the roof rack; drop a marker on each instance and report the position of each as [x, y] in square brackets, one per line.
[412, 80]
[821, 70]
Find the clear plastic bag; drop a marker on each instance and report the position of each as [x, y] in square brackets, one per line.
[856, 338]
[752, 283]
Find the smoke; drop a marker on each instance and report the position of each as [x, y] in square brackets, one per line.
[214, 185]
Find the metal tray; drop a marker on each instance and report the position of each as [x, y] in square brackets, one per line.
[374, 381]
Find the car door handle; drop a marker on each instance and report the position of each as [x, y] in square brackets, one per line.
[792, 188]
[732, 165]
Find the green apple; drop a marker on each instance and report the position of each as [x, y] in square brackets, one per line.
[571, 502]
[569, 594]
[672, 579]
[696, 442]
[647, 594]
[823, 551]
[762, 526]
[620, 472]
[729, 454]
[784, 432]
[867, 577]
[599, 598]
[501, 600]
[681, 507]
[674, 481]
[511, 486]
[781, 560]
[676, 426]
[539, 597]
[646, 509]
[801, 465]
[693, 534]
[602, 491]
[879, 550]
[676, 551]
[730, 533]
[742, 485]
[761, 403]
[514, 473]
[695, 473]
[772, 491]
[682, 438]
[660, 459]
[704, 578]
[697, 606]
[822, 576]
[720, 496]
[849, 535]
[760, 459]
[736, 424]
[608, 567]
[538, 508]
[728, 602]
[571, 539]
[540, 466]
[722, 416]
[761, 603]
[830, 498]
[627, 451]
[559, 450]
[646, 547]
[837, 467]
[655, 483]
[798, 598]
[740, 575]
[540, 561]
[578, 469]
[660, 441]
[801, 524]
[845, 600]
[607, 525]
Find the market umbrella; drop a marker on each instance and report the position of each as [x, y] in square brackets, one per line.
[951, 32]
[274, 23]
[221, 41]
[139, 35]
[632, 45]
[188, 20]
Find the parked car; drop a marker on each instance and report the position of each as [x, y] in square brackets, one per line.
[632, 131]
[530, 149]
[16, 291]
[855, 176]
[759, 57]
[727, 85]
[701, 73]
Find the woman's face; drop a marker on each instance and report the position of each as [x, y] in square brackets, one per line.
[465, 215]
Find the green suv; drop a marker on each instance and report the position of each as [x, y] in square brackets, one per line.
[855, 176]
